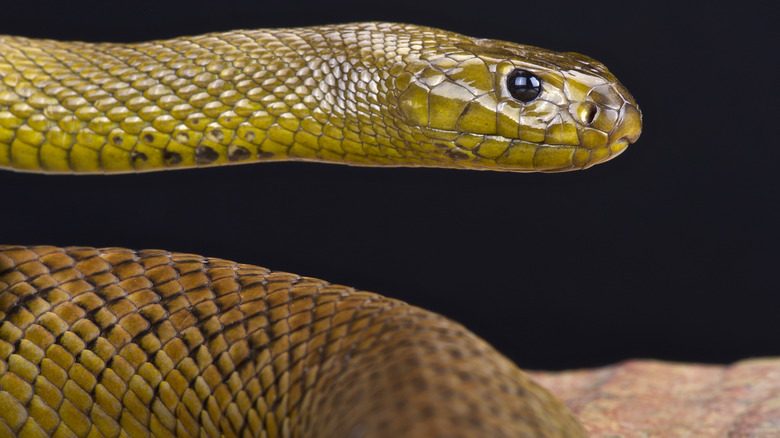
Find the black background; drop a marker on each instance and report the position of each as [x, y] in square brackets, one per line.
[668, 252]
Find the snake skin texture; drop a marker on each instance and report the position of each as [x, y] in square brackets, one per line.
[362, 94]
[113, 342]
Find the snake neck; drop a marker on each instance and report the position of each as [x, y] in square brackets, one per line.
[320, 93]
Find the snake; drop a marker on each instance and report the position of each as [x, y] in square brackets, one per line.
[114, 342]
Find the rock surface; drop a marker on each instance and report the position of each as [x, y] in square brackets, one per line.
[646, 398]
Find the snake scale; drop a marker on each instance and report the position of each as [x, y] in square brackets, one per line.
[114, 342]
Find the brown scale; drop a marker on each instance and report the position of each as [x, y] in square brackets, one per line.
[114, 342]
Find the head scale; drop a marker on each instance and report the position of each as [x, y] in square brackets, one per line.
[489, 104]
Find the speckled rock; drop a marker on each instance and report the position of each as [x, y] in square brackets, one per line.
[646, 398]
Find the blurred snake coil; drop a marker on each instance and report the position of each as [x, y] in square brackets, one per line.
[114, 342]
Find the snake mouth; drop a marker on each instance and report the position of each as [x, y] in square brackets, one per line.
[496, 152]
[618, 147]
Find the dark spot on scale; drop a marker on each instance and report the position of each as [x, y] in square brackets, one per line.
[441, 146]
[149, 314]
[217, 135]
[43, 293]
[197, 312]
[172, 157]
[135, 155]
[117, 139]
[148, 138]
[238, 153]
[476, 422]
[205, 155]
[246, 362]
[193, 354]
[213, 336]
[457, 155]
[91, 344]
[24, 299]
[137, 338]
[232, 325]
[264, 155]
[92, 314]
[466, 377]
[156, 389]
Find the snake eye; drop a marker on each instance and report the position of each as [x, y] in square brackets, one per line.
[523, 85]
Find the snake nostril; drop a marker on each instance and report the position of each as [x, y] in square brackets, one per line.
[590, 114]
[586, 112]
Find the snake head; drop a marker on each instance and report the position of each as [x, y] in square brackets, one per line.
[490, 104]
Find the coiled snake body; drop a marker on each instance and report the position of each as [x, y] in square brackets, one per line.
[114, 342]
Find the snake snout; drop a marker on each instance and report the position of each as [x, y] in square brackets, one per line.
[628, 126]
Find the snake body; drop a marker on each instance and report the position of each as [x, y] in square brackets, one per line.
[115, 342]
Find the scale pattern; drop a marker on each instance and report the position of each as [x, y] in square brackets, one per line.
[360, 94]
[113, 342]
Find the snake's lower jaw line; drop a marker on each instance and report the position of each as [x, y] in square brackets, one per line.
[618, 148]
